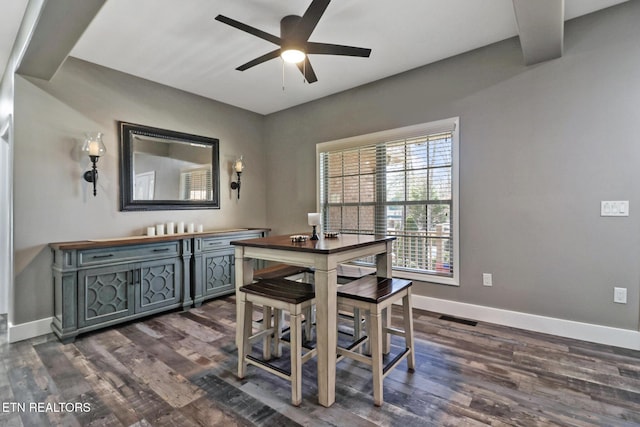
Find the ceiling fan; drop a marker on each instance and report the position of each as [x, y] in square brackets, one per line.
[294, 44]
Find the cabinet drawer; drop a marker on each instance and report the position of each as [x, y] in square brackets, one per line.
[213, 243]
[127, 253]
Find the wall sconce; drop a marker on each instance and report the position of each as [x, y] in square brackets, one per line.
[94, 147]
[238, 166]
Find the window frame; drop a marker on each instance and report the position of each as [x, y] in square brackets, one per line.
[408, 132]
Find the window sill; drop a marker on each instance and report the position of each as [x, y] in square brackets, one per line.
[359, 270]
[430, 278]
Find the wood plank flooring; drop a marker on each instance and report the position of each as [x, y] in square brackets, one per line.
[179, 369]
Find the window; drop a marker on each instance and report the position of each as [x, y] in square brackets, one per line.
[196, 184]
[401, 183]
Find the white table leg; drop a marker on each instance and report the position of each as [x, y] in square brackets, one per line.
[384, 269]
[326, 329]
[244, 275]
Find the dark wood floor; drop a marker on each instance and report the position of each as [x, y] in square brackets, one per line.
[179, 369]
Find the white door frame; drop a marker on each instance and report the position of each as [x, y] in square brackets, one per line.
[6, 208]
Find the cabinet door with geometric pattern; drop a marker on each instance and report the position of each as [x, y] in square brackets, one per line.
[105, 294]
[158, 284]
[219, 272]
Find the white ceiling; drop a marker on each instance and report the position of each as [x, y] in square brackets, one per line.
[178, 43]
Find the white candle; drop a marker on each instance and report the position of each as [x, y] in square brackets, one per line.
[191, 228]
[239, 165]
[160, 229]
[170, 228]
[180, 227]
[151, 231]
[314, 218]
[200, 228]
[94, 148]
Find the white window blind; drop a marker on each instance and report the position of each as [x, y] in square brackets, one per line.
[401, 187]
[196, 184]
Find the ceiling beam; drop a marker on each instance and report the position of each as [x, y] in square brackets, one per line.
[541, 28]
[58, 28]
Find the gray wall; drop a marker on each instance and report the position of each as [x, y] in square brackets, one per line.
[53, 203]
[540, 147]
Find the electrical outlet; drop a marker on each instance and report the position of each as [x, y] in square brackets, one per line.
[487, 279]
[620, 295]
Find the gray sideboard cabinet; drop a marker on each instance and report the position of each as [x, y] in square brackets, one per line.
[106, 282]
[213, 263]
[102, 283]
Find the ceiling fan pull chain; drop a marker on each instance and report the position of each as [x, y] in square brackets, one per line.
[282, 75]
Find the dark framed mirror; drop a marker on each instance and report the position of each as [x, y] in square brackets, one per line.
[164, 170]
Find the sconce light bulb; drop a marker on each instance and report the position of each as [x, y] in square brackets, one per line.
[239, 165]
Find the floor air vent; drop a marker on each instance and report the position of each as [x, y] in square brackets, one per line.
[458, 320]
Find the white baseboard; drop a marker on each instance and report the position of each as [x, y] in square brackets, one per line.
[617, 337]
[24, 331]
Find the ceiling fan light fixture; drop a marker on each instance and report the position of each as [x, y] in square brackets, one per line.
[293, 56]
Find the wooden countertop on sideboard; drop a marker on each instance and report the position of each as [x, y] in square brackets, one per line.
[134, 240]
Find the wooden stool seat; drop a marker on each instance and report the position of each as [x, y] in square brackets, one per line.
[281, 295]
[375, 295]
[372, 289]
[281, 290]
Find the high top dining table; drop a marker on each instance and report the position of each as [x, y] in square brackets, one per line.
[323, 256]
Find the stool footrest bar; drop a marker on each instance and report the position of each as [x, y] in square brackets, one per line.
[392, 364]
[268, 366]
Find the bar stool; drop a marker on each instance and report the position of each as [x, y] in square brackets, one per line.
[279, 295]
[348, 273]
[295, 274]
[374, 295]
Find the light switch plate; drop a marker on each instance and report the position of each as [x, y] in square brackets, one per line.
[620, 295]
[614, 208]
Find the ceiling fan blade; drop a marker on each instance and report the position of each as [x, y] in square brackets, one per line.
[307, 71]
[336, 49]
[259, 60]
[310, 19]
[249, 29]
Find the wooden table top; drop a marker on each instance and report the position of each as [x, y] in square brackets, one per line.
[343, 242]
